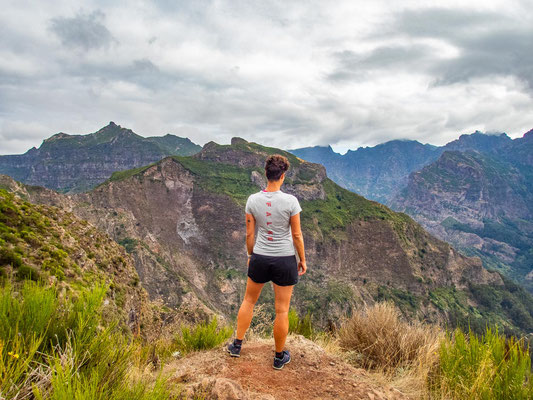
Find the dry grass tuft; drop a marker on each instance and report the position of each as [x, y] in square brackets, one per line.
[403, 353]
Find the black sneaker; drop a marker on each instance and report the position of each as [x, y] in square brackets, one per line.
[234, 350]
[280, 362]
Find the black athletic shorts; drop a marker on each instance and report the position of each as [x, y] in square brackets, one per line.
[282, 270]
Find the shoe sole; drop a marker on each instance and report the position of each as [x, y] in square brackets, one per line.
[233, 354]
[282, 365]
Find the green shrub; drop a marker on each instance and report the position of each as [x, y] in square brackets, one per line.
[301, 326]
[205, 335]
[129, 244]
[27, 272]
[484, 367]
[54, 267]
[10, 257]
[60, 348]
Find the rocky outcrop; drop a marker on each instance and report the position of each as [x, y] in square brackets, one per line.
[481, 203]
[214, 375]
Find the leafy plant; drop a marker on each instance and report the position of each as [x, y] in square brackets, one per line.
[205, 335]
[490, 366]
[301, 326]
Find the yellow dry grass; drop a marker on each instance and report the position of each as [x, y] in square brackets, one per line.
[399, 353]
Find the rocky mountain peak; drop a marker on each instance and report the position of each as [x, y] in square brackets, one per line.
[237, 140]
[244, 154]
[57, 136]
[479, 141]
[528, 134]
[112, 129]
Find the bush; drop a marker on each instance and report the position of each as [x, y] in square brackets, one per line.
[25, 272]
[484, 367]
[54, 267]
[60, 348]
[205, 335]
[10, 257]
[301, 326]
[383, 341]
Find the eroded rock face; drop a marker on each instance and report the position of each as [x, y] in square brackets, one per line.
[482, 203]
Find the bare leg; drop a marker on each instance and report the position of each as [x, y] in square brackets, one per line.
[253, 290]
[281, 323]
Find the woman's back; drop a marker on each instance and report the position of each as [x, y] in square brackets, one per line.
[272, 212]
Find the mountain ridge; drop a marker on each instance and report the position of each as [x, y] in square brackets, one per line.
[378, 172]
[74, 163]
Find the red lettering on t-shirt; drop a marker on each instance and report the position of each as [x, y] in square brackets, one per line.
[269, 238]
[269, 204]
[270, 232]
[268, 214]
[268, 223]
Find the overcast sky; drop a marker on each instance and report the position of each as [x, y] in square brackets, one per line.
[282, 73]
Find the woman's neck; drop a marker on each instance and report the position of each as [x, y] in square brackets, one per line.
[273, 186]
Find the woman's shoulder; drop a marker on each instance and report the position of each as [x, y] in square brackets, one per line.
[290, 196]
[255, 194]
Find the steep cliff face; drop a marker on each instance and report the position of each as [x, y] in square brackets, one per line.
[480, 202]
[73, 163]
[182, 220]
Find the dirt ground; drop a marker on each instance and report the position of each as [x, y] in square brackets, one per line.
[311, 374]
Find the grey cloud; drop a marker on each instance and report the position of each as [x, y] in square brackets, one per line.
[504, 52]
[143, 72]
[355, 66]
[488, 44]
[443, 23]
[85, 31]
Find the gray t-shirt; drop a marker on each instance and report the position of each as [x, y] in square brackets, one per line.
[272, 212]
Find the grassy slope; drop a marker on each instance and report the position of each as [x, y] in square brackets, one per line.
[44, 243]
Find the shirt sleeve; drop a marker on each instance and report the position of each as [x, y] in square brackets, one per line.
[248, 208]
[295, 206]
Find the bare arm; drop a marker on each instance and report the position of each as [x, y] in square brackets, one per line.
[250, 233]
[298, 239]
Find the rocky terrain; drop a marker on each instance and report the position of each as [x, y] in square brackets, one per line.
[182, 221]
[311, 374]
[481, 202]
[73, 163]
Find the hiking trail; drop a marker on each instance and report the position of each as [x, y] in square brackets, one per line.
[311, 374]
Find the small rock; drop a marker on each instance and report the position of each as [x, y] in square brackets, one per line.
[218, 389]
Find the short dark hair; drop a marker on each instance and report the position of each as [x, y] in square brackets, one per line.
[275, 165]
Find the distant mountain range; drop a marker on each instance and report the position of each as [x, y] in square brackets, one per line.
[74, 163]
[475, 192]
[379, 172]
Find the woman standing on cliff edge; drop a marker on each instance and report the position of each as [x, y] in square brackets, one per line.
[271, 257]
